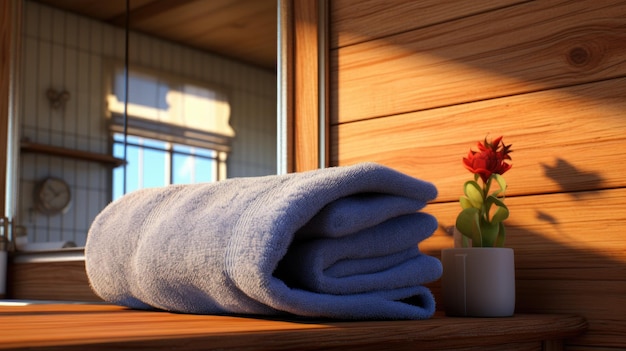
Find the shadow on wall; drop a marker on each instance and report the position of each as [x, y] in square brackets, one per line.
[570, 179]
[568, 252]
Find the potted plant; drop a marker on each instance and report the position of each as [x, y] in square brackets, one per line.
[479, 277]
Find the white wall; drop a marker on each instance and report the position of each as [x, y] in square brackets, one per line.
[69, 52]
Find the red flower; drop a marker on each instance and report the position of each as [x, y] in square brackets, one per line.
[489, 159]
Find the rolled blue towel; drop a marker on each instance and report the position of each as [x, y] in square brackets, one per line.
[383, 257]
[339, 242]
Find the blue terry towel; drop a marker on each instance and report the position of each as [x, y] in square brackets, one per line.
[339, 242]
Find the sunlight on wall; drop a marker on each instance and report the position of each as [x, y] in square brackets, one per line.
[159, 99]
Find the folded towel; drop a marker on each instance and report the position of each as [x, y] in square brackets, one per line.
[339, 242]
[383, 257]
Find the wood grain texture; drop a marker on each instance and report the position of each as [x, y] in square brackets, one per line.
[518, 49]
[306, 85]
[63, 281]
[100, 327]
[355, 21]
[564, 140]
[238, 29]
[569, 259]
[549, 76]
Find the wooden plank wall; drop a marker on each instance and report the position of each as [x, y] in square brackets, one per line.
[415, 84]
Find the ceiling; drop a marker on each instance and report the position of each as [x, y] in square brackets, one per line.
[244, 30]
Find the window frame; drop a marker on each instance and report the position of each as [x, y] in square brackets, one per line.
[170, 151]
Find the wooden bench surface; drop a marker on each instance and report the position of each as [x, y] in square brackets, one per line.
[59, 326]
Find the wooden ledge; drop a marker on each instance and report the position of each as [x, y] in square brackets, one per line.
[27, 146]
[104, 327]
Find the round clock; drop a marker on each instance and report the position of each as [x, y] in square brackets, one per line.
[52, 196]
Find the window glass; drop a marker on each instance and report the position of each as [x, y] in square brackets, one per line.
[175, 130]
[154, 163]
[193, 169]
[154, 170]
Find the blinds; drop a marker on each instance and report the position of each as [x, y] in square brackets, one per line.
[164, 107]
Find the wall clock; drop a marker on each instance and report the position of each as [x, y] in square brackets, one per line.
[52, 196]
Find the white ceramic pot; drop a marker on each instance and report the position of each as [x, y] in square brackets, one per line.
[478, 282]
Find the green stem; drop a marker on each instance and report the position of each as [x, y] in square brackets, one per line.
[485, 210]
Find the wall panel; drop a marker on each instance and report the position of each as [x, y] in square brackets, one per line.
[528, 47]
[415, 87]
[355, 22]
[563, 140]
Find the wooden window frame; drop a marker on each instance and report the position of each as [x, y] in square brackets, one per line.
[303, 85]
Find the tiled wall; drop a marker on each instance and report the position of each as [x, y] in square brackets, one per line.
[64, 51]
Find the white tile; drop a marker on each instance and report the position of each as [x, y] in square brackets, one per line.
[40, 225]
[56, 62]
[94, 206]
[70, 112]
[42, 167]
[30, 86]
[81, 220]
[119, 43]
[165, 53]
[144, 50]
[54, 233]
[108, 40]
[57, 83]
[177, 60]
[45, 23]
[70, 64]
[40, 232]
[83, 94]
[25, 201]
[27, 167]
[43, 83]
[55, 167]
[69, 171]
[58, 27]
[96, 98]
[71, 31]
[56, 138]
[96, 37]
[68, 222]
[82, 174]
[31, 19]
[42, 136]
[133, 51]
[84, 33]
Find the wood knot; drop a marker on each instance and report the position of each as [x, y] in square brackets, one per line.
[579, 56]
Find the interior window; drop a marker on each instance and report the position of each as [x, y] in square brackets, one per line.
[177, 130]
[154, 163]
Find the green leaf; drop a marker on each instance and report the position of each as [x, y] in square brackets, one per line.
[489, 233]
[501, 235]
[501, 183]
[474, 193]
[465, 202]
[501, 213]
[468, 223]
